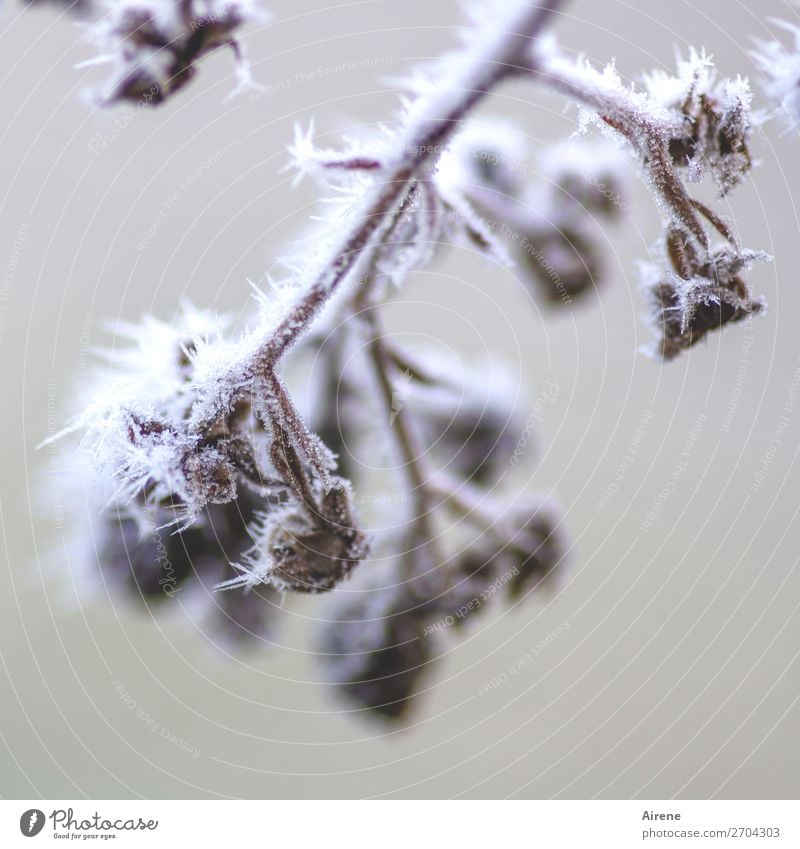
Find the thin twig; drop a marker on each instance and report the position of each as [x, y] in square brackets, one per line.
[403, 434]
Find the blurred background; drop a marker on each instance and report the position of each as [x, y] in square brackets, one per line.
[664, 665]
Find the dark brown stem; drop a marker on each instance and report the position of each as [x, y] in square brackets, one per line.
[404, 436]
[354, 163]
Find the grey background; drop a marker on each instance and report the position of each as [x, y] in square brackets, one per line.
[678, 674]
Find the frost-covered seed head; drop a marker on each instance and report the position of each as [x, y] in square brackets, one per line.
[146, 562]
[376, 655]
[699, 295]
[469, 577]
[210, 471]
[486, 154]
[563, 262]
[592, 174]
[712, 121]
[315, 560]
[685, 314]
[154, 45]
[140, 558]
[139, 430]
[469, 422]
[301, 547]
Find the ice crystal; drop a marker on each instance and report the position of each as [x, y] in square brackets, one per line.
[327, 166]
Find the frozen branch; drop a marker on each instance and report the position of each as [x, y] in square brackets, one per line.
[187, 422]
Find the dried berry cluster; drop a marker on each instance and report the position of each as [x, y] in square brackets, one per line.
[154, 46]
[688, 124]
[382, 639]
[196, 432]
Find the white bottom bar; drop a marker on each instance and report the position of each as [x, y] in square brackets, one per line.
[403, 824]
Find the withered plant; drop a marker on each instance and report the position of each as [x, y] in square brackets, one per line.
[203, 461]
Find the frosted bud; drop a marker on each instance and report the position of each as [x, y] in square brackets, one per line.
[154, 45]
[699, 295]
[593, 174]
[374, 651]
[711, 120]
[469, 420]
[304, 549]
[538, 545]
[486, 154]
[212, 475]
[564, 262]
